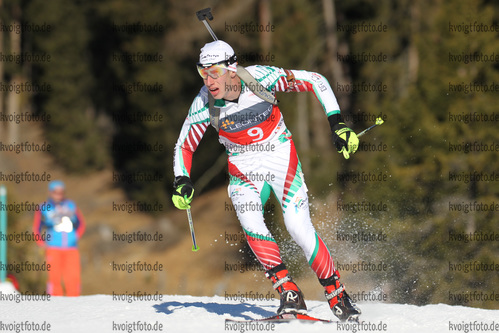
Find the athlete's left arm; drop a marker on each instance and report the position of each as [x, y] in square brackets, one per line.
[292, 80]
[287, 80]
[80, 225]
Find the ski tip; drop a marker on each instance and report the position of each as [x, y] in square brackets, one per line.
[195, 249]
[379, 121]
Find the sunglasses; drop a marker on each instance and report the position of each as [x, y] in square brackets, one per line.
[214, 71]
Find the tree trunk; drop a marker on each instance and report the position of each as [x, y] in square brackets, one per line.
[413, 61]
[265, 17]
[333, 49]
[337, 71]
[13, 98]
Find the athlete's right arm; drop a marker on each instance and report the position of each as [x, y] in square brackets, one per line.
[193, 129]
[37, 227]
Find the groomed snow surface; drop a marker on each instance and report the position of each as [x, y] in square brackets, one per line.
[184, 314]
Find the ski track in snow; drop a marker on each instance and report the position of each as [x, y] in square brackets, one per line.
[98, 313]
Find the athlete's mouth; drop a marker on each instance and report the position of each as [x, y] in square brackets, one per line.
[214, 91]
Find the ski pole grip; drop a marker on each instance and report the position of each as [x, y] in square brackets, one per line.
[204, 14]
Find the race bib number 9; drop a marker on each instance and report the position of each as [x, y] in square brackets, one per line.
[256, 133]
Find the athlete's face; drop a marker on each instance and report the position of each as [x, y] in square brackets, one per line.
[57, 194]
[217, 87]
[225, 86]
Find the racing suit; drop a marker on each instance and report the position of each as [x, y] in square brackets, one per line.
[262, 159]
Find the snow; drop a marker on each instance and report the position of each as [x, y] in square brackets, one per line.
[181, 313]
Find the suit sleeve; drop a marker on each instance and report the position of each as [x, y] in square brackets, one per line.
[193, 129]
[37, 227]
[80, 230]
[286, 80]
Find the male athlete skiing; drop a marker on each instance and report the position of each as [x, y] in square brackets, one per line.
[257, 141]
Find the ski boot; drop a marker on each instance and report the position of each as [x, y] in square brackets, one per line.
[338, 299]
[292, 300]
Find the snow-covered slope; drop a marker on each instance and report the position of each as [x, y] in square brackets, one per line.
[167, 313]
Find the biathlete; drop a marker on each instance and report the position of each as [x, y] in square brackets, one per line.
[245, 123]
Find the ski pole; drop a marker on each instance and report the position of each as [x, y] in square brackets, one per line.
[191, 226]
[379, 121]
[204, 14]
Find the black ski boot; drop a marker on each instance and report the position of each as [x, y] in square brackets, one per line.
[338, 299]
[292, 300]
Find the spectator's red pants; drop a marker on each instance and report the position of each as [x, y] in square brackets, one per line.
[64, 268]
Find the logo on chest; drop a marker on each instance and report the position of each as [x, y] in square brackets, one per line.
[246, 118]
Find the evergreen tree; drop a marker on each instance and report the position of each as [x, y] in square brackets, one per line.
[426, 135]
[78, 142]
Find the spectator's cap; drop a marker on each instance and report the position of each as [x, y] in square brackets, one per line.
[55, 184]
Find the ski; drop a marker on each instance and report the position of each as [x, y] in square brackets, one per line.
[283, 318]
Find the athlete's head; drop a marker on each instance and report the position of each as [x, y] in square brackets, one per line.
[57, 190]
[217, 66]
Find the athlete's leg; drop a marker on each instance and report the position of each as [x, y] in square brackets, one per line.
[54, 283]
[291, 190]
[294, 201]
[248, 198]
[71, 274]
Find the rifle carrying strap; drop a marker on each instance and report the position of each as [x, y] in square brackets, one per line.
[214, 112]
[256, 87]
